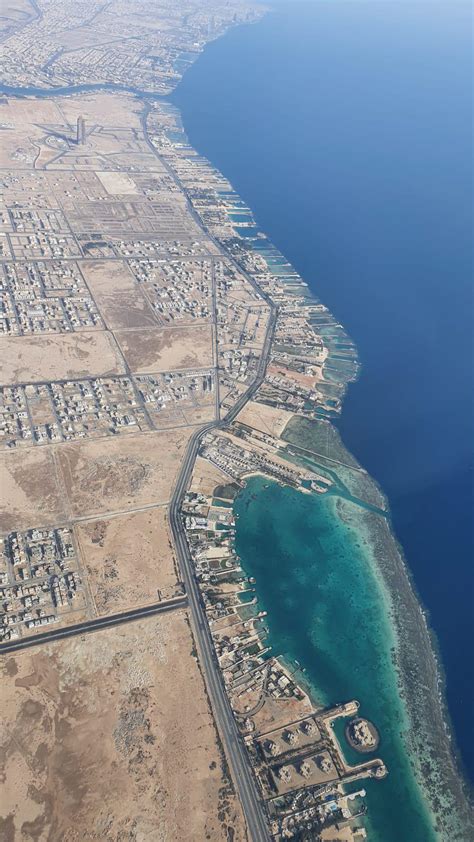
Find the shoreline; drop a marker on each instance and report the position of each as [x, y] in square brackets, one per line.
[78, 90]
[428, 641]
[426, 634]
[435, 650]
[429, 630]
[412, 735]
[343, 384]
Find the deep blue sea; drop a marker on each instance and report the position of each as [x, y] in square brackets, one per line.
[346, 126]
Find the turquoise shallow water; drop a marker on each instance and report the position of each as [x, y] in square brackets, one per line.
[346, 127]
[327, 609]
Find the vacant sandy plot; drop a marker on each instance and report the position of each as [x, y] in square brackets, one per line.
[200, 414]
[276, 713]
[110, 737]
[29, 492]
[306, 380]
[105, 277]
[118, 183]
[17, 149]
[128, 559]
[119, 298]
[337, 834]
[47, 486]
[112, 475]
[267, 419]
[206, 477]
[166, 349]
[105, 109]
[29, 359]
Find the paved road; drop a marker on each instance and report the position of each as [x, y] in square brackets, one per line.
[236, 752]
[230, 257]
[94, 625]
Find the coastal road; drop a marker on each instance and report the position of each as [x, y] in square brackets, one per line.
[230, 257]
[94, 625]
[236, 752]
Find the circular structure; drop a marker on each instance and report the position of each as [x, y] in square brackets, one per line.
[362, 735]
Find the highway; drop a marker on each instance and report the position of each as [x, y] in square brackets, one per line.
[235, 750]
[236, 753]
[93, 625]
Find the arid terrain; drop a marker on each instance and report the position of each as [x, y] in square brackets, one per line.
[94, 748]
[108, 351]
[39, 358]
[129, 560]
[166, 349]
[134, 326]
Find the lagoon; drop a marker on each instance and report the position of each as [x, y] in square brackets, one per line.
[345, 126]
[313, 561]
